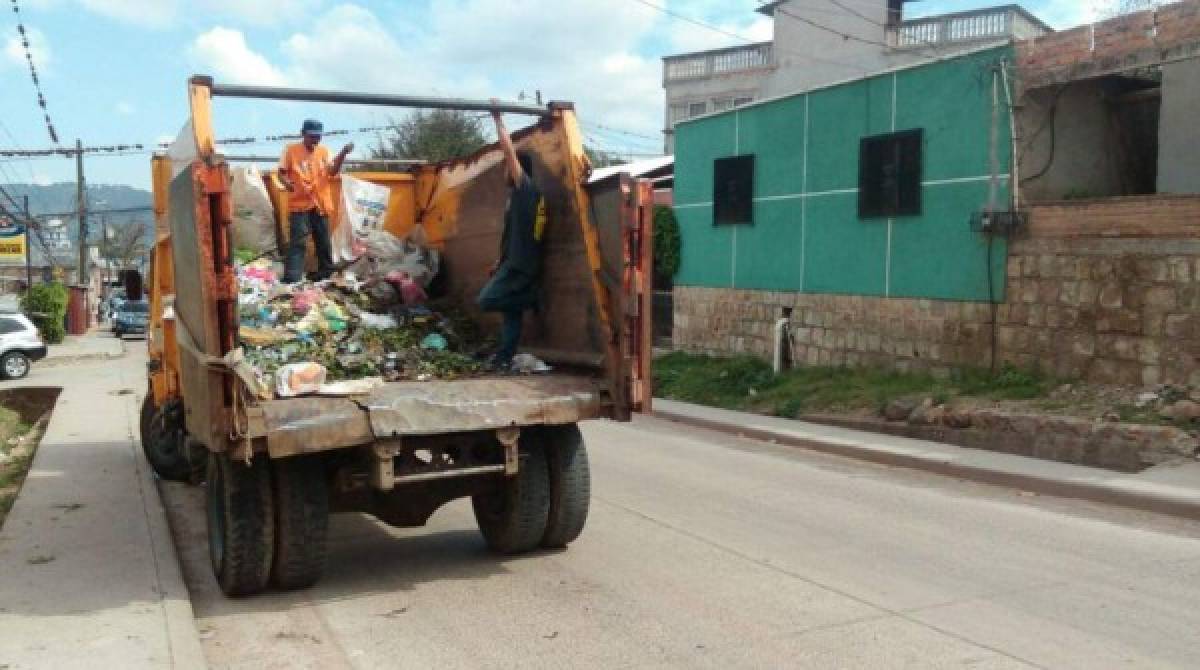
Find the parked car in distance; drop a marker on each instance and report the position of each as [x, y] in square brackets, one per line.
[110, 311]
[20, 345]
[132, 316]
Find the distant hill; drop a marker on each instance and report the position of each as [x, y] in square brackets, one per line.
[60, 197]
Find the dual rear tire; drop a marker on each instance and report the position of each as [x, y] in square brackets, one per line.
[267, 522]
[546, 504]
[268, 519]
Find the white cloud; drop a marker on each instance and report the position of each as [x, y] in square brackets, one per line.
[600, 55]
[263, 12]
[147, 13]
[224, 52]
[125, 108]
[167, 13]
[14, 52]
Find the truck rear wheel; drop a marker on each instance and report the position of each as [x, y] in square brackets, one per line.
[164, 440]
[570, 484]
[301, 521]
[241, 523]
[513, 519]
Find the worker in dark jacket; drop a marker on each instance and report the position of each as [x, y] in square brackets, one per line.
[516, 276]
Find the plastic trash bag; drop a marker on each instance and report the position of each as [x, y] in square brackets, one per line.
[529, 364]
[298, 379]
[391, 254]
[253, 214]
[363, 210]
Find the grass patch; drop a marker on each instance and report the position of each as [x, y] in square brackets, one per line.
[747, 383]
[22, 414]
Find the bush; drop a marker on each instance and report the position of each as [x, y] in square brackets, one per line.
[667, 242]
[46, 305]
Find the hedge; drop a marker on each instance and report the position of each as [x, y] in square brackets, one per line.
[46, 305]
[667, 243]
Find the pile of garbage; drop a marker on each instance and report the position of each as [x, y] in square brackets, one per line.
[305, 337]
[372, 323]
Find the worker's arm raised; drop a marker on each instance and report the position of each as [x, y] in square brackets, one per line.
[336, 167]
[506, 146]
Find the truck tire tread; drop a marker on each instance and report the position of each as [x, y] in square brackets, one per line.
[513, 520]
[169, 464]
[570, 484]
[249, 526]
[301, 522]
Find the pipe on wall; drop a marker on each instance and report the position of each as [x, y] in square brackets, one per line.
[781, 329]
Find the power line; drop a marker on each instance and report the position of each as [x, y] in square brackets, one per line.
[135, 148]
[617, 140]
[834, 31]
[30, 225]
[630, 133]
[13, 139]
[37, 83]
[776, 47]
[875, 22]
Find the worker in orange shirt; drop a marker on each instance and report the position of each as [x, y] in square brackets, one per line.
[305, 170]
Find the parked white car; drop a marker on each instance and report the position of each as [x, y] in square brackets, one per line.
[20, 346]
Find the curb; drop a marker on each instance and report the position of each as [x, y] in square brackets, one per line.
[1172, 501]
[183, 636]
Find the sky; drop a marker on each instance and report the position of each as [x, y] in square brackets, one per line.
[115, 71]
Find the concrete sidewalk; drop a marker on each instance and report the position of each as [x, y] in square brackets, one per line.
[88, 572]
[99, 344]
[1167, 489]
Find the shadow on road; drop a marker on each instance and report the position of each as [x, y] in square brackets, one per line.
[365, 557]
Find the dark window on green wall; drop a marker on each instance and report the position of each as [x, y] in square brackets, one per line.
[733, 190]
[889, 175]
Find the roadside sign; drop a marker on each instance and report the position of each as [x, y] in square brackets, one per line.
[12, 241]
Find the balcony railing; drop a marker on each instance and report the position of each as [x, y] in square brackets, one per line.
[720, 61]
[949, 29]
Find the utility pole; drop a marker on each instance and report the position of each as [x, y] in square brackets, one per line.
[28, 245]
[81, 194]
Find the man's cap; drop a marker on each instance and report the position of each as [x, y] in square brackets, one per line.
[312, 127]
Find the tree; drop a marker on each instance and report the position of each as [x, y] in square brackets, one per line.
[126, 245]
[600, 158]
[433, 136]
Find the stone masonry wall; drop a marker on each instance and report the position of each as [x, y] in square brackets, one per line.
[1112, 309]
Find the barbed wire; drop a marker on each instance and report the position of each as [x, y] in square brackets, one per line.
[37, 82]
[132, 149]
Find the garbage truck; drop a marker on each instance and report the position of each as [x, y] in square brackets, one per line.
[275, 468]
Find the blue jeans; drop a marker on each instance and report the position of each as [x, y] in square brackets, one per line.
[300, 226]
[510, 293]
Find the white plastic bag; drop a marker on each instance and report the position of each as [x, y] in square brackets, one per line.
[393, 254]
[363, 210]
[296, 379]
[253, 214]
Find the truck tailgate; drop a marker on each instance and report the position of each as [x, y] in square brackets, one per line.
[398, 409]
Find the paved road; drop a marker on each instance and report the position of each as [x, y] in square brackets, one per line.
[708, 551]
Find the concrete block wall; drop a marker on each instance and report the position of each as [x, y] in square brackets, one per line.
[1109, 305]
